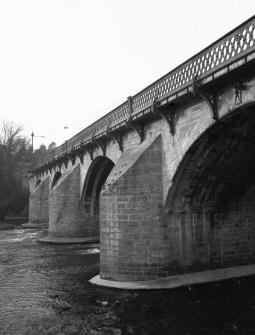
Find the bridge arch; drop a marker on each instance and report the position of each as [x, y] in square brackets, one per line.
[38, 182]
[211, 203]
[56, 178]
[97, 174]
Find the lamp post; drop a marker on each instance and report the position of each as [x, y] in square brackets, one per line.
[33, 135]
[66, 140]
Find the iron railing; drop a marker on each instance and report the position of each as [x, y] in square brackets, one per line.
[237, 44]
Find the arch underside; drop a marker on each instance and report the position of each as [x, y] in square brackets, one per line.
[210, 209]
[38, 182]
[96, 177]
[56, 178]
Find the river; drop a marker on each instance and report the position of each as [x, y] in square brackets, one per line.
[44, 289]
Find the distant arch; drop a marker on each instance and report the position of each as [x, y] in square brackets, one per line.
[38, 182]
[97, 174]
[56, 177]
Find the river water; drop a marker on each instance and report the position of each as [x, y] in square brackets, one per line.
[44, 289]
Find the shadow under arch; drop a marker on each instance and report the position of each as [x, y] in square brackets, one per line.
[211, 202]
[97, 174]
[56, 177]
[210, 146]
[38, 182]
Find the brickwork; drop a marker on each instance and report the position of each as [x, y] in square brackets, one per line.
[39, 203]
[132, 239]
[210, 209]
[66, 212]
[171, 204]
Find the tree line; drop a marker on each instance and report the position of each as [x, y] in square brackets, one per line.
[16, 147]
[16, 151]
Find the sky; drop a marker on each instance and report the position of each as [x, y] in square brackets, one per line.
[66, 63]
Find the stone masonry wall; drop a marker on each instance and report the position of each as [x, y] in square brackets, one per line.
[136, 242]
[66, 213]
[39, 203]
[203, 240]
[210, 209]
[132, 239]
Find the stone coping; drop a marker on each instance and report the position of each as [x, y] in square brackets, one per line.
[69, 240]
[29, 225]
[179, 280]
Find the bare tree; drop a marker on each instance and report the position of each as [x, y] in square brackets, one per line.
[14, 149]
[10, 140]
[10, 135]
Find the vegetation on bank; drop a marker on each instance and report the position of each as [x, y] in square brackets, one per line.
[16, 155]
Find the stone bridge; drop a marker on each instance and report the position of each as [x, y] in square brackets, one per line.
[168, 177]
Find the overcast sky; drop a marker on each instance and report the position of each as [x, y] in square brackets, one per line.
[65, 63]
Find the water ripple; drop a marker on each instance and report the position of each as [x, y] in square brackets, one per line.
[39, 280]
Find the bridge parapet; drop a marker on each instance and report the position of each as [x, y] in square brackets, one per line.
[233, 50]
[226, 50]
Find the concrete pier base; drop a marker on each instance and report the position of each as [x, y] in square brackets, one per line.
[69, 240]
[180, 280]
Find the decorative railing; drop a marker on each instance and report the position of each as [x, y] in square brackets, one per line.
[235, 45]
